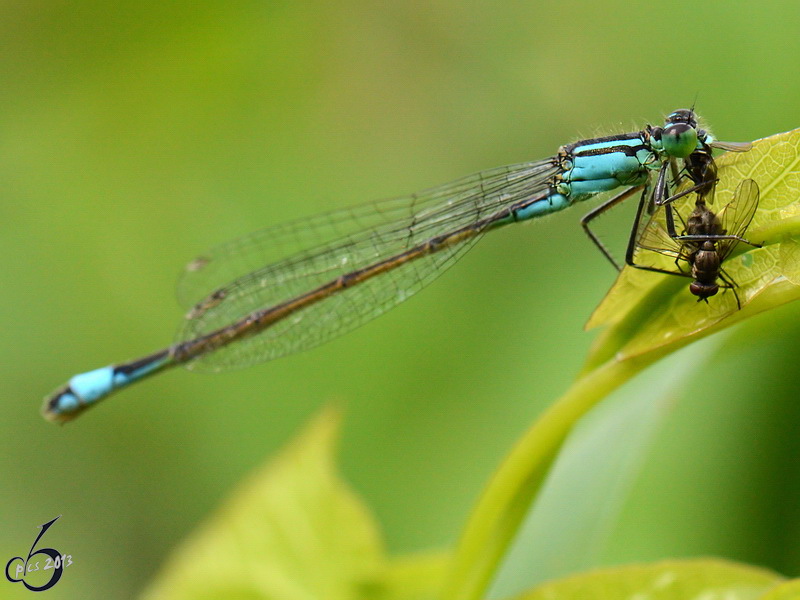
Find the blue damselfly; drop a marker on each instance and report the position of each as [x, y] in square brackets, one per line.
[292, 287]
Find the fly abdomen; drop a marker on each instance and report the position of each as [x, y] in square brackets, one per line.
[705, 271]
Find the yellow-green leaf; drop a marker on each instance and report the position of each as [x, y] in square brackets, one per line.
[415, 577]
[293, 531]
[786, 591]
[702, 579]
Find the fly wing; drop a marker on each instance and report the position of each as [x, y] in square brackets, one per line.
[731, 146]
[737, 215]
[276, 265]
[654, 247]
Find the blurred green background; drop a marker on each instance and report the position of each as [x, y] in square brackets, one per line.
[134, 135]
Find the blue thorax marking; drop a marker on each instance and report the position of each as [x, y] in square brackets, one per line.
[606, 163]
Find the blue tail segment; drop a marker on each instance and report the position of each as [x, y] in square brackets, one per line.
[87, 389]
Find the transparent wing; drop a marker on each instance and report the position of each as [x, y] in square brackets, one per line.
[280, 263]
[737, 215]
[732, 146]
[654, 247]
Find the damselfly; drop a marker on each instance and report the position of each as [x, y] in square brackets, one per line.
[707, 239]
[293, 287]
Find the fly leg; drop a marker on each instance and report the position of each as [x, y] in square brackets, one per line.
[729, 284]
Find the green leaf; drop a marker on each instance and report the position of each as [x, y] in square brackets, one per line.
[787, 591]
[416, 577]
[702, 579]
[570, 522]
[294, 530]
[648, 316]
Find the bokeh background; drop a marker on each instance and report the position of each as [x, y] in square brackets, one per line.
[134, 135]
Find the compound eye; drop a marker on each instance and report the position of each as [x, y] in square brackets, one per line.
[679, 140]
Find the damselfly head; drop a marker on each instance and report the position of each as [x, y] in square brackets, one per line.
[679, 134]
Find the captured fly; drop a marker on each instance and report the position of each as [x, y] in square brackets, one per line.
[706, 240]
